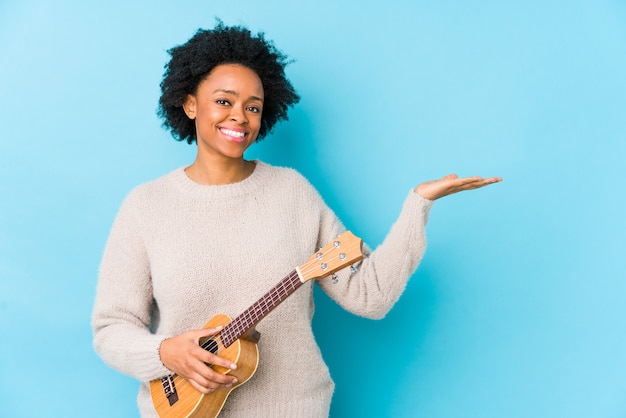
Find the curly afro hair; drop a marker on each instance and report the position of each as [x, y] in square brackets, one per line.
[192, 61]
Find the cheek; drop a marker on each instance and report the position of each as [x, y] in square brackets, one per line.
[209, 114]
[213, 115]
[256, 123]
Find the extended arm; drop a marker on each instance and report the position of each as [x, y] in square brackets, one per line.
[383, 274]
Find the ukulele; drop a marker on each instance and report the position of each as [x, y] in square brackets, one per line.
[174, 397]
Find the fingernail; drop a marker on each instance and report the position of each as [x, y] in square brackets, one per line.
[233, 366]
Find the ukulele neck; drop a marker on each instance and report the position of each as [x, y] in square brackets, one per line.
[255, 313]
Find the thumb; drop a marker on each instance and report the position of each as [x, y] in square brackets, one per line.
[206, 332]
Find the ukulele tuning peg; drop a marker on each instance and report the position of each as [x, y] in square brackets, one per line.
[334, 278]
[354, 269]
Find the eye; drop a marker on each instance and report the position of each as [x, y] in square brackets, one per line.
[222, 102]
[254, 109]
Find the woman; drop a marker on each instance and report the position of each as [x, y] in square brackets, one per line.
[214, 236]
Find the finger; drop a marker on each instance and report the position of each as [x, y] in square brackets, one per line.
[479, 184]
[207, 377]
[487, 180]
[491, 180]
[471, 179]
[201, 371]
[219, 379]
[199, 387]
[207, 332]
[450, 177]
[463, 183]
[210, 358]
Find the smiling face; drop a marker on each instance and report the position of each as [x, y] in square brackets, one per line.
[227, 107]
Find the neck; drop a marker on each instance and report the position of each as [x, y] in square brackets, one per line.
[219, 172]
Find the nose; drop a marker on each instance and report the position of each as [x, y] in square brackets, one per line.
[238, 114]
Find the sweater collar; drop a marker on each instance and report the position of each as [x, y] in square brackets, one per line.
[250, 184]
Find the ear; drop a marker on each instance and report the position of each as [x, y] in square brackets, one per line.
[190, 106]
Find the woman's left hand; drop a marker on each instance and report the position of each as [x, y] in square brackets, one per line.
[434, 189]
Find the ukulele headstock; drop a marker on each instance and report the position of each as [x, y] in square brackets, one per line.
[334, 256]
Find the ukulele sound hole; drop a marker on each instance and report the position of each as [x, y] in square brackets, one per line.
[210, 345]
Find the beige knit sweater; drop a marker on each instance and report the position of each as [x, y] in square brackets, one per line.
[180, 252]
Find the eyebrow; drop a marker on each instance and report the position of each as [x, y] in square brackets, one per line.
[234, 93]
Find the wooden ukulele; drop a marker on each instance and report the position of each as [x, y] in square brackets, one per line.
[174, 397]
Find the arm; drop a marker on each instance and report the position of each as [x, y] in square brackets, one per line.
[123, 316]
[382, 275]
[122, 313]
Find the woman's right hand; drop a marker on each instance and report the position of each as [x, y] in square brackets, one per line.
[184, 356]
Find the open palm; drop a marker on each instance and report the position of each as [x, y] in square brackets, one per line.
[434, 189]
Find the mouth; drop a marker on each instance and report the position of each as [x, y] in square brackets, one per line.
[233, 135]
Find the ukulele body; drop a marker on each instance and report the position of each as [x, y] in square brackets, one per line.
[189, 402]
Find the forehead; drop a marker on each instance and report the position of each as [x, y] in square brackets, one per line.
[233, 78]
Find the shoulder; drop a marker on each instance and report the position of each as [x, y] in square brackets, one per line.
[153, 190]
[286, 184]
[284, 174]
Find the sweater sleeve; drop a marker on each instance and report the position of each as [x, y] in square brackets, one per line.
[383, 274]
[122, 312]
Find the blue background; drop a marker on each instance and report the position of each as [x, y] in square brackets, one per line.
[518, 308]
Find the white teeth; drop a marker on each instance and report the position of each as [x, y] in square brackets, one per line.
[233, 133]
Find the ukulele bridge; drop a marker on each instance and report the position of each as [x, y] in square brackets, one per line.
[170, 389]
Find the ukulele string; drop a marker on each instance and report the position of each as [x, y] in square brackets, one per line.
[220, 346]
